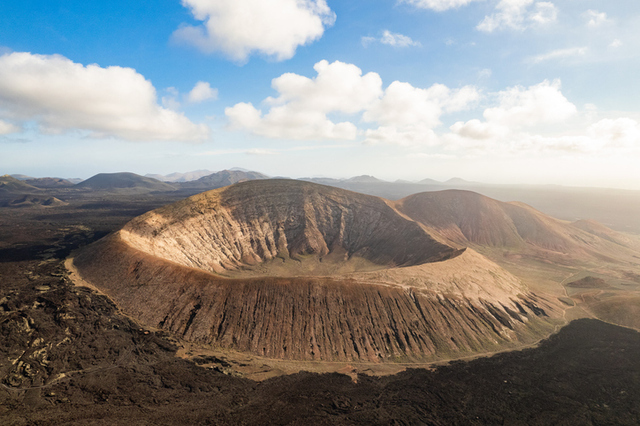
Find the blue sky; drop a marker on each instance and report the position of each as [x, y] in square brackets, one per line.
[504, 91]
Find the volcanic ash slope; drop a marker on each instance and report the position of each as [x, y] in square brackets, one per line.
[296, 270]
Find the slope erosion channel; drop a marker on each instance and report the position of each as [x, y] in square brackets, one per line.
[296, 270]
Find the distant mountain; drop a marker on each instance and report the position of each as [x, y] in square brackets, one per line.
[460, 182]
[123, 181]
[223, 178]
[36, 201]
[49, 182]
[181, 177]
[322, 180]
[364, 179]
[11, 184]
[22, 177]
[429, 182]
[468, 218]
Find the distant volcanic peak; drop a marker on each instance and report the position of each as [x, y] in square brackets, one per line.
[124, 180]
[465, 216]
[223, 178]
[249, 224]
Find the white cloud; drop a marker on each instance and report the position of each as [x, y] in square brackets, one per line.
[476, 129]
[519, 15]
[202, 91]
[544, 12]
[390, 39]
[62, 95]
[238, 28]
[300, 111]
[437, 5]
[559, 54]
[404, 114]
[405, 105]
[8, 128]
[484, 74]
[616, 133]
[510, 126]
[596, 19]
[397, 40]
[615, 43]
[414, 135]
[540, 104]
[518, 108]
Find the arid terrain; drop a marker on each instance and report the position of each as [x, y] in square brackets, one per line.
[71, 355]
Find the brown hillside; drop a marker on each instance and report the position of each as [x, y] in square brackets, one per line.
[468, 218]
[317, 273]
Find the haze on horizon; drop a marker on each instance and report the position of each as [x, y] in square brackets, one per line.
[497, 91]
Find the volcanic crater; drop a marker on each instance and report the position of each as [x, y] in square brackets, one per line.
[301, 271]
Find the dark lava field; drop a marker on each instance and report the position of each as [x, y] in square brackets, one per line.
[69, 356]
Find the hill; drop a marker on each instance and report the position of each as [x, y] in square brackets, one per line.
[181, 177]
[9, 184]
[35, 201]
[123, 181]
[468, 218]
[222, 178]
[49, 182]
[295, 270]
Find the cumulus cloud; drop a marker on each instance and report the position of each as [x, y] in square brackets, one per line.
[511, 126]
[62, 95]
[202, 91]
[518, 15]
[616, 133]
[238, 28]
[405, 105]
[7, 128]
[437, 5]
[595, 19]
[559, 54]
[404, 114]
[518, 108]
[540, 104]
[300, 111]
